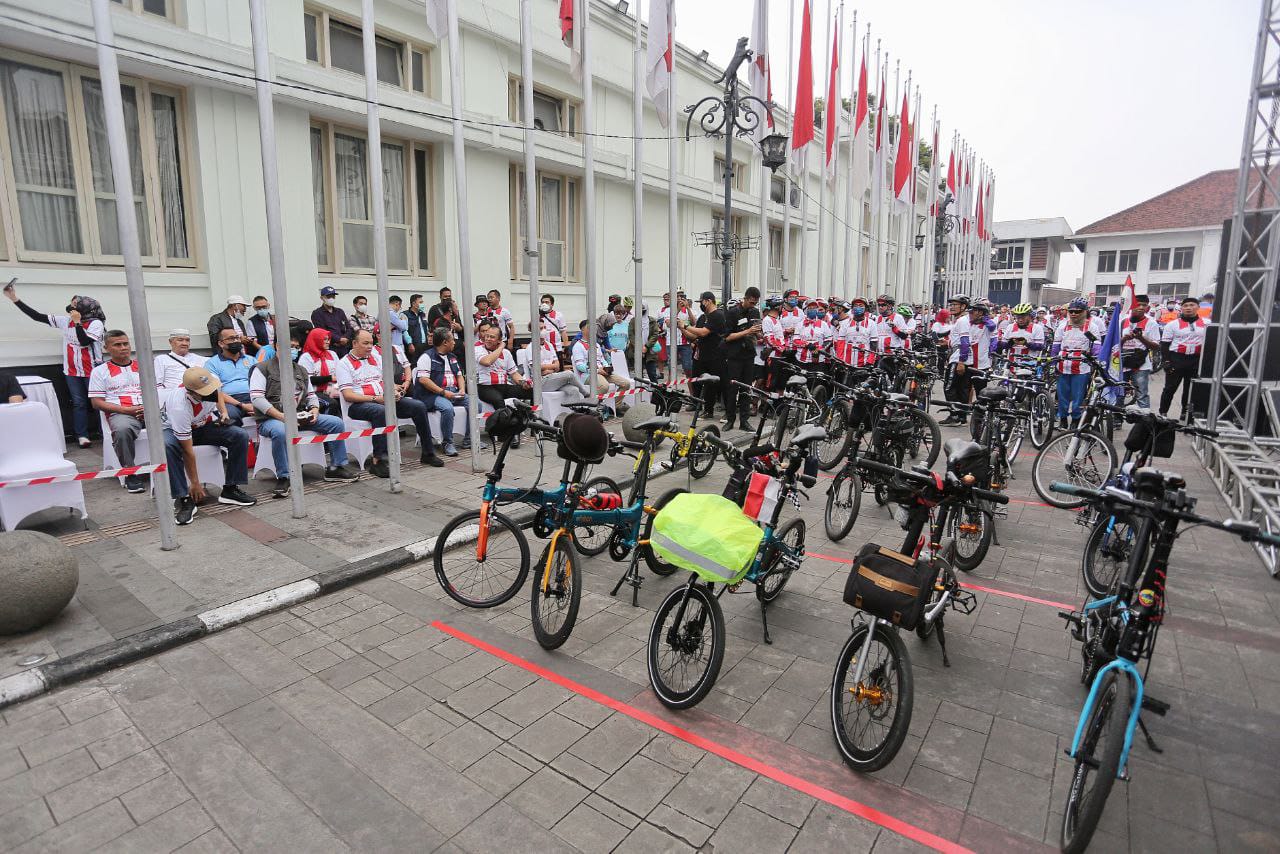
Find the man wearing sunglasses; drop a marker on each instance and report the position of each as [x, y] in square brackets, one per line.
[1075, 336]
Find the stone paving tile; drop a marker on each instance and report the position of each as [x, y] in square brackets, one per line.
[546, 797]
[640, 785]
[710, 790]
[746, 828]
[155, 797]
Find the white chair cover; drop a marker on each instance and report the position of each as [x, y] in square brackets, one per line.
[31, 449]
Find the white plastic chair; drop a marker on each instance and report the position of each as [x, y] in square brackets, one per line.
[210, 464]
[31, 449]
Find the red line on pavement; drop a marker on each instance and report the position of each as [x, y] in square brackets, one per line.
[821, 793]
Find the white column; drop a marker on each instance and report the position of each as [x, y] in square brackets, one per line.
[532, 254]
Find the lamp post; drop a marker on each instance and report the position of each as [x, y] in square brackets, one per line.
[944, 225]
[730, 115]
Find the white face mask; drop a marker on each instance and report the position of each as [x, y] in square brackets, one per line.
[546, 306]
[362, 309]
[327, 301]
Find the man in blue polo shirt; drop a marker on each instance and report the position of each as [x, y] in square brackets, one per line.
[232, 367]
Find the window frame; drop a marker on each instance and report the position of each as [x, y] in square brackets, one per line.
[138, 8]
[408, 48]
[1190, 255]
[1107, 255]
[741, 180]
[91, 254]
[1127, 261]
[1164, 253]
[570, 107]
[571, 225]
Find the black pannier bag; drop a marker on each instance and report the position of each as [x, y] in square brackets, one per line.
[889, 585]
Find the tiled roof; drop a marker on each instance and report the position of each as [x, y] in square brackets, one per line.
[1202, 202]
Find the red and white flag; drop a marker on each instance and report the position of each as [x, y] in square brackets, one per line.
[951, 171]
[571, 33]
[760, 76]
[802, 120]
[438, 18]
[1127, 298]
[660, 56]
[860, 111]
[981, 221]
[762, 496]
[903, 168]
[833, 107]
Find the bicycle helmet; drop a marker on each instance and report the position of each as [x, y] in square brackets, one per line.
[982, 306]
[1078, 304]
[583, 439]
[857, 300]
[885, 298]
[504, 422]
[1022, 308]
[772, 303]
[906, 311]
[639, 412]
[958, 299]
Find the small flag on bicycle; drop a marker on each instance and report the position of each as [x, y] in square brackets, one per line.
[762, 496]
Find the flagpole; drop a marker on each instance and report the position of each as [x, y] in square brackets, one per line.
[904, 218]
[464, 227]
[532, 255]
[762, 130]
[639, 340]
[877, 177]
[589, 186]
[828, 112]
[846, 272]
[786, 173]
[837, 113]
[377, 194]
[891, 239]
[673, 243]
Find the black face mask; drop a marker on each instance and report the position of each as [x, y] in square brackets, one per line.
[209, 398]
[235, 347]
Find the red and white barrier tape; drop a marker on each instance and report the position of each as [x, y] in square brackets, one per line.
[87, 475]
[338, 437]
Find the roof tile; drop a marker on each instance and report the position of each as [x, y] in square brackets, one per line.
[1202, 202]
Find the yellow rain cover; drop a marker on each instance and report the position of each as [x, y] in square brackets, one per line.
[707, 535]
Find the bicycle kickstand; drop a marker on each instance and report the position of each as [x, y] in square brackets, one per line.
[764, 618]
[1151, 742]
[633, 577]
[942, 641]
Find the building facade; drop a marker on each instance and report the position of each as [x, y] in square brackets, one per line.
[1025, 258]
[1170, 244]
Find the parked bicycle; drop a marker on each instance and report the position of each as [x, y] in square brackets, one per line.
[686, 444]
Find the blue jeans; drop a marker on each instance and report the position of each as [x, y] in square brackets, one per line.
[444, 406]
[406, 407]
[237, 415]
[1142, 382]
[685, 354]
[78, 388]
[274, 430]
[1071, 389]
[233, 439]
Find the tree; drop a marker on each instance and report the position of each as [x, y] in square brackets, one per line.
[924, 159]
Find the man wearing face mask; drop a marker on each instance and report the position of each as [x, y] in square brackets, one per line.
[363, 319]
[333, 320]
[231, 366]
[1139, 338]
[194, 414]
[859, 334]
[1181, 341]
[265, 392]
[792, 315]
[743, 328]
[551, 322]
[234, 316]
[262, 324]
[708, 354]
[811, 335]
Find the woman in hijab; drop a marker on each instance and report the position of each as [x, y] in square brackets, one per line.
[319, 362]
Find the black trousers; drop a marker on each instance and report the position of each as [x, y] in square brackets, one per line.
[962, 386]
[1180, 370]
[496, 395]
[709, 391]
[737, 403]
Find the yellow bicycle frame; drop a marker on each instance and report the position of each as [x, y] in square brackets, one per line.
[551, 556]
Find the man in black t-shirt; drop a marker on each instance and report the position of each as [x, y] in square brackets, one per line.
[707, 337]
[742, 331]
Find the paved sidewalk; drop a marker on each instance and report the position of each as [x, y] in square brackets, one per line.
[385, 717]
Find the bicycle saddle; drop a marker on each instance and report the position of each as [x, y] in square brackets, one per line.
[705, 378]
[1023, 373]
[660, 422]
[897, 397]
[796, 381]
[959, 451]
[995, 394]
[582, 406]
[808, 433]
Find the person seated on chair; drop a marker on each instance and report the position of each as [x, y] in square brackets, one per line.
[10, 389]
[115, 389]
[554, 376]
[359, 377]
[172, 365]
[266, 394]
[231, 366]
[498, 378]
[605, 373]
[320, 363]
[196, 414]
[441, 386]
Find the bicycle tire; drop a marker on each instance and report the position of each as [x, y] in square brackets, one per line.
[1013, 442]
[968, 562]
[656, 564]
[1041, 420]
[897, 669]
[451, 581]
[1101, 744]
[929, 434]
[1100, 571]
[593, 538]
[660, 636]
[845, 482]
[701, 455]
[776, 576]
[834, 448]
[564, 583]
[1087, 472]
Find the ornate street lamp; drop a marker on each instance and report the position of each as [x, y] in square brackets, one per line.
[730, 115]
[944, 225]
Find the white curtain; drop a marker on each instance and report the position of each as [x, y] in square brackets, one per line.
[317, 196]
[164, 109]
[549, 228]
[393, 205]
[351, 167]
[100, 165]
[39, 139]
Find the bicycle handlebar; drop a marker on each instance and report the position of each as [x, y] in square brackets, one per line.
[1246, 530]
[950, 483]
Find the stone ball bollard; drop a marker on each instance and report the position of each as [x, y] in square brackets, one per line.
[38, 577]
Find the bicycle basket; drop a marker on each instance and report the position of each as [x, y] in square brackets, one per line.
[708, 535]
[888, 585]
[1141, 434]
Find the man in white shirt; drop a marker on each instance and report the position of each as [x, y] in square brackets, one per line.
[554, 376]
[115, 389]
[552, 322]
[172, 365]
[506, 323]
[196, 414]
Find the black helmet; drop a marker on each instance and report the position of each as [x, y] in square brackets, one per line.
[960, 298]
[583, 438]
[772, 303]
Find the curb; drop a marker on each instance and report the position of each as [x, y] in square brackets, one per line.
[90, 662]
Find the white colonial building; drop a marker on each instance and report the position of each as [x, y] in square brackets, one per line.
[1025, 258]
[1169, 244]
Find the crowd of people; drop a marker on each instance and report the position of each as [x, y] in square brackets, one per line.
[338, 375]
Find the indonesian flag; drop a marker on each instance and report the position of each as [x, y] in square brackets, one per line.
[802, 121]
[760, 76]
[572, 36]
[659, 61]
[933, 168]
[833, 107]
[982, 224]
[903, 168]
[860, 111]
[951, 171]
[1127, 298]
[438, 18]
[762, 496]
[991, 205]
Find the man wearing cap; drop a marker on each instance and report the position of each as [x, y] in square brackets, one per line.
[115, 389]
[171, 366]
[859, 335]
[331, 319]
[707, 336]
[193, 414]
[812, 334]
[1182, 340]
[231, 366]
[233, 317]
[792, 315]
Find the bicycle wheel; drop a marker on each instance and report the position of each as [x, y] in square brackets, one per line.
[656, 564]
[870, 718]
[1106, 554]
[777, 568]
[844, 500]
[1013, 441]
[556, 593]
[701, 455]
[1084, 459]
[487, 572]
[834, 448]
[1097, 761]
[1041, 420]
[972, 530]
[592, 538]
[686, 646]
[926, 437]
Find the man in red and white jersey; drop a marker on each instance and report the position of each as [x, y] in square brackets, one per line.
[860, 335]
[840, 321]
[82, 327]
[1182, 340]
[115, 389]
[812, 335]
[791, 314]
[1022, 335]
[554, 375]
[497, 377]
[891, 327]
[1077, 335]
[1139, 338]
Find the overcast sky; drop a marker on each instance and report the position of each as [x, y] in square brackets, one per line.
[1082, 108]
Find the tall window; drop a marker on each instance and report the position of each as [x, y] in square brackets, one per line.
[552, 112]
[1009, 257]
[1183, 257]
[557, 205]
[339, 43]
[343, 202]
[1107, 262]
[1127, 261]
[774, 281]
[55, 167]
[739, 174]
[161, 8]
[1159, 259]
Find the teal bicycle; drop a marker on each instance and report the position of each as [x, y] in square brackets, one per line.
[1118, 631]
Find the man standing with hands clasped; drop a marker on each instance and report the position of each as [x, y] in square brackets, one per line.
[743, 329]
